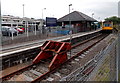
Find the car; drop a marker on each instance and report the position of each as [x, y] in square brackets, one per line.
[19, 30]
[22, 28]
[7, 31]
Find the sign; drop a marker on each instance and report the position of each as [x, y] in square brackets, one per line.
[51, 22]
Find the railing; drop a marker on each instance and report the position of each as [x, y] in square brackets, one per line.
[104, 65]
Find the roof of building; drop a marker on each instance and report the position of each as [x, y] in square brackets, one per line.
[76, 16]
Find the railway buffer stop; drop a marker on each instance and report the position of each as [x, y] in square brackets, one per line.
[57, 50]
[79, 22]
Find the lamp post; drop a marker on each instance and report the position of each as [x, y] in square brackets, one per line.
[92, 15]
[69, 7]
[42, 15]
[42, 21]
[70, 24]
[23, 10]
[69, 28]
[23, 18]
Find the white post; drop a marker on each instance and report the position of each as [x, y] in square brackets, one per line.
[62, 24]
[25, 26]
[17, 27]
[32, 26]
[27, 29]
[12, 27]
[35, 28]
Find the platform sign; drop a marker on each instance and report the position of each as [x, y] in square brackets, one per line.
[51, 22]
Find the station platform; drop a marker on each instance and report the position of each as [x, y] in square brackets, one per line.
[14, 48]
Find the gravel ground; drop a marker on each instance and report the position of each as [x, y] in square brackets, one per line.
[91, 53]
[106, 70]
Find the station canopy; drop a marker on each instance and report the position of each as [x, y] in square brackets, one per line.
[76, 16]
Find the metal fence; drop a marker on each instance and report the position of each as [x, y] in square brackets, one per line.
[41, 33]
[30, 36]
[104, 67]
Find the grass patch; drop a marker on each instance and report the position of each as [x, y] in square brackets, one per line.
[103, 72]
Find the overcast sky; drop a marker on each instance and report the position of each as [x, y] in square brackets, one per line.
[59, 8]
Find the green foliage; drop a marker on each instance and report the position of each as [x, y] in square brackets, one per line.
[114, 19]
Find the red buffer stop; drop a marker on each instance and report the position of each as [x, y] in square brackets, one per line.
[57, 50]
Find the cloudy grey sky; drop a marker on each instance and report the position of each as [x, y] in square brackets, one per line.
[59, 8]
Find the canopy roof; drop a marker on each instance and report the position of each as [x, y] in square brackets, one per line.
[76, 16]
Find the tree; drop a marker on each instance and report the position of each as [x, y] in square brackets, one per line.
[114, 19]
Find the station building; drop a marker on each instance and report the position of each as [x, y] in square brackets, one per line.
[79, 21]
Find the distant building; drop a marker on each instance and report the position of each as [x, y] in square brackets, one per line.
[7, 20]
[119, 9]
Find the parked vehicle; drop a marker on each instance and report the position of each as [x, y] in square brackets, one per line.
[21, 27]
[19, 30]
[7, 31]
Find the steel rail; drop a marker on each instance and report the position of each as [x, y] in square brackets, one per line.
[49, 72]
[16, 72]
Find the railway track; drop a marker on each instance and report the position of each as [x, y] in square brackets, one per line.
[40, 71]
